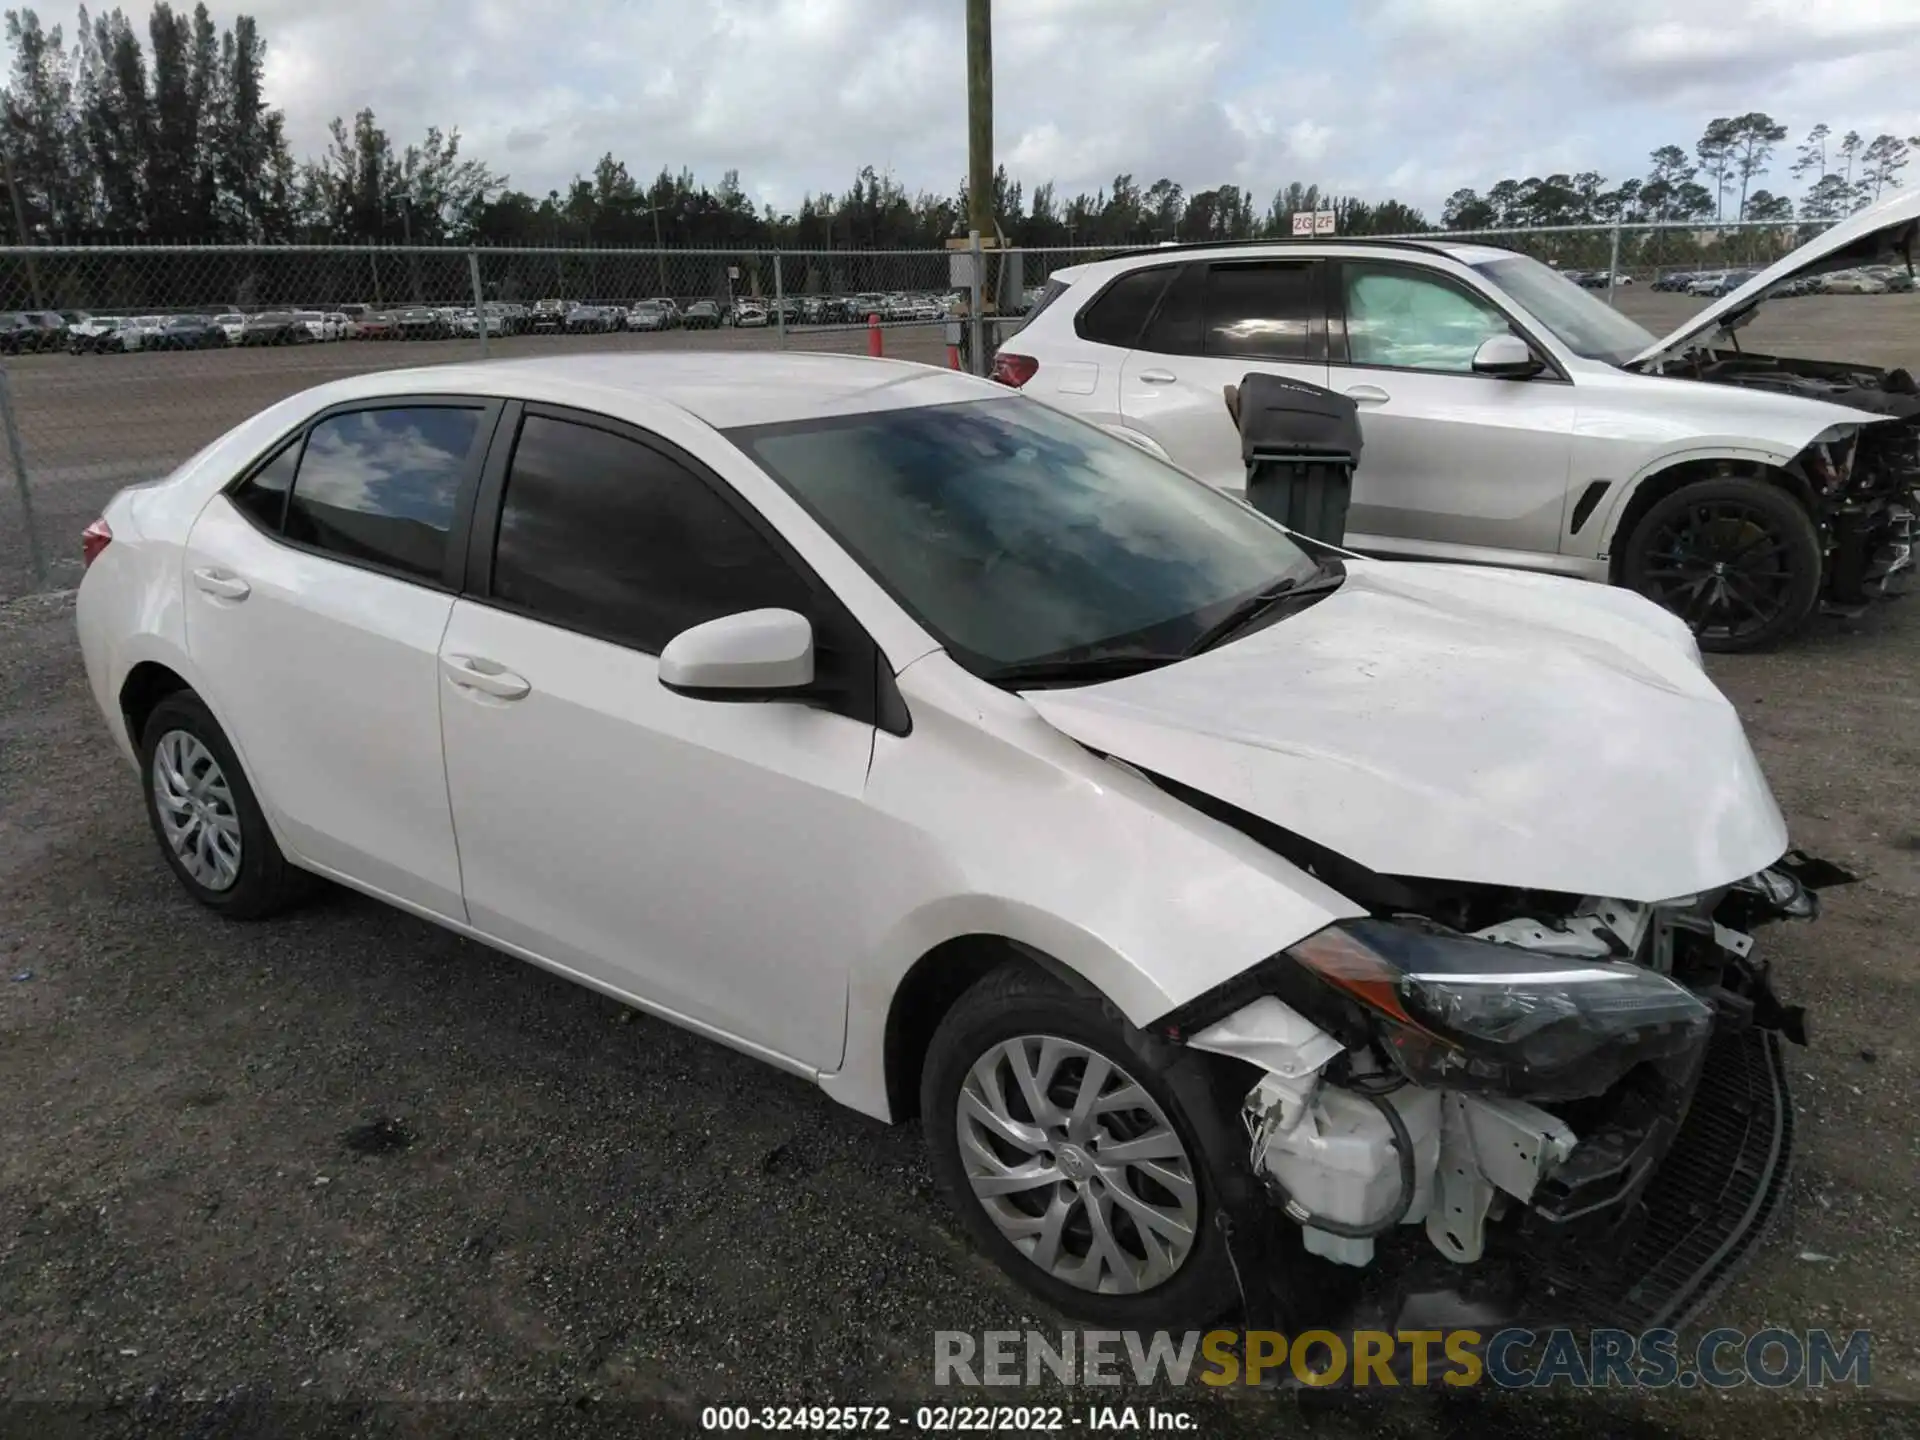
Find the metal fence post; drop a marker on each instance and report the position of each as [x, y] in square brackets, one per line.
[479, 300]
[779, 299]
[36, 553]
[1613, 261]
[976, 319]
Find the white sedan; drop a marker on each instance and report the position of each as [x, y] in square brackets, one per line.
[970, 762]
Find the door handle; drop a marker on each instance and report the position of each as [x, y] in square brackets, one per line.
[222, 583]
[469, 672]
[1157, 377]
[1368, 395]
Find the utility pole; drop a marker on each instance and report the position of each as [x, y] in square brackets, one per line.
[980, 220]
[980, 116]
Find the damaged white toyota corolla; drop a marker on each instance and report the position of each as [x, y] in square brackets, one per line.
[1238, 922]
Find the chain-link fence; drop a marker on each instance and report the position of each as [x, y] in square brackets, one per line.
[117, 363]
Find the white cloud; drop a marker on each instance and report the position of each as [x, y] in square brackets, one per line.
[1408, 97]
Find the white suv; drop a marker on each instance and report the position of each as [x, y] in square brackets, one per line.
[1510, 417]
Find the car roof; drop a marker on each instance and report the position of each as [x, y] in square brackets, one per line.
[723, 389]
[1465, 253]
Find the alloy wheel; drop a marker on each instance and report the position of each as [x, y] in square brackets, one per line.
[1722, 566]
[1077, 1165]
[197, 814]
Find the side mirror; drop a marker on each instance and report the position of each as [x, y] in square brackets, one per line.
[755, 655]
[1506, 357]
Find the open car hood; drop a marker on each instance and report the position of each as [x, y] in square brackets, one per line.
[1883, 233]
[1460, 724]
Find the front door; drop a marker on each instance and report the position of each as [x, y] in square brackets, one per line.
[704, 857]
[1452, 464]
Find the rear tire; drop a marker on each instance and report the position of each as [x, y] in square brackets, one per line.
[212, 831]
[1736, 558]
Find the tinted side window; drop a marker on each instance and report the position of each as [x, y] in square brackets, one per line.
[263, 494]
[380, 485]
[602, 534]
[1398, 318]
[1117, 316]
[1178, 325]
[1260, 311]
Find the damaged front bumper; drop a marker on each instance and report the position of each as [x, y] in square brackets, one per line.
[1628, 1207]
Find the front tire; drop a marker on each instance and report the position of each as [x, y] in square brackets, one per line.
[212, 831]
[1736, 558]
[1088, 1159]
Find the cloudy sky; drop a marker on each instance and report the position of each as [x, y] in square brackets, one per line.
[1411, 98]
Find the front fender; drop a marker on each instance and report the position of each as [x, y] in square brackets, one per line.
[1614, 506]
[1002, 826]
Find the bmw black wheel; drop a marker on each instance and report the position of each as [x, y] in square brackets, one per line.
[1736, 558]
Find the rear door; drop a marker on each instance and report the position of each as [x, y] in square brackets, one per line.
[1217, 322]
[1080, 357]
[317, 592]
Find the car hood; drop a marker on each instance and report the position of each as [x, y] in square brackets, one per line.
[1882, 233]
[1460, 724]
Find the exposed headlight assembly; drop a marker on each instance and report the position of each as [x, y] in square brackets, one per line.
[1454, 1012]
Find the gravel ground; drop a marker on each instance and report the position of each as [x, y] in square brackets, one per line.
[333, 1173]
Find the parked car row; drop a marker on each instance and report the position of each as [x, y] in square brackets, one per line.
[1865, 280]
[79, 332]
[1597, 279]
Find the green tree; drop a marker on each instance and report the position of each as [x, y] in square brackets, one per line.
[1752, 139]
[1715, 149]
[1880, 165]
[1850, 147]
[1811, 158]
[1828, 198]
[48, 169]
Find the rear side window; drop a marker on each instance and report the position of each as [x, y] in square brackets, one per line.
[1179, 324]
[380, 486]
[263, 495]
[1124, 307]
[602, 534]
[1263, 312]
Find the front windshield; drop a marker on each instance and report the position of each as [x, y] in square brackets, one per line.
[1579, 320]
[1017, 534]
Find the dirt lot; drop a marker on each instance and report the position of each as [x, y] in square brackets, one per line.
[90, 424]
[585, 1213]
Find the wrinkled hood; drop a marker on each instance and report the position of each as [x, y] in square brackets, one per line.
[1883, 233]
[1462, 724]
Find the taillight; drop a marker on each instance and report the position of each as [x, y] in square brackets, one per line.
[94, 539]
[1014, 370]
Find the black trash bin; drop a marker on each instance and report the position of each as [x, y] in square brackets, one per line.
[1301, 445]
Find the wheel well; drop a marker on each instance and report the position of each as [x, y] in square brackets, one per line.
[925, 994]
[146, 685]
[1662, 483]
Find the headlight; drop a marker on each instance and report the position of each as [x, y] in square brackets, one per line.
[1465, 1014]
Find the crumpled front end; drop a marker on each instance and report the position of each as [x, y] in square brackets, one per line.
[1577, 1115]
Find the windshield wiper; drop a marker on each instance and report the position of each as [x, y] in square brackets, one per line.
[1084, 670]
[1326, 578]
